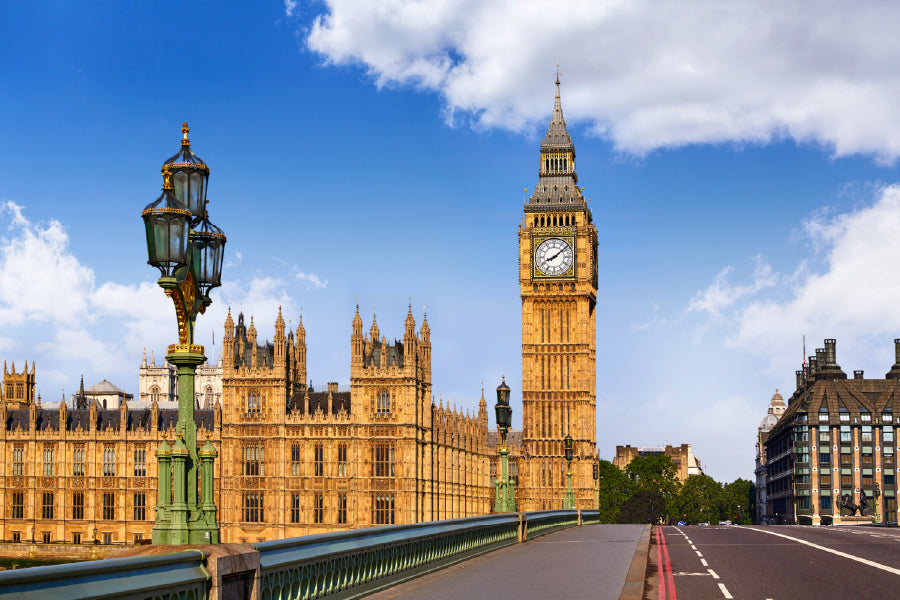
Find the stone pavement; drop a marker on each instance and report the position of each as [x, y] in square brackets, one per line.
[600, 562]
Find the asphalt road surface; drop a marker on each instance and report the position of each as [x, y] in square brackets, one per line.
[775, 563]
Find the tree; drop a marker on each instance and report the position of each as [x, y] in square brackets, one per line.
[739, 501]
[656, 473]
[700, 500]
[615, 489]
[644, 506]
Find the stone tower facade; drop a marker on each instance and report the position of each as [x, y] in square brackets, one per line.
[18, 388]
[558, 285]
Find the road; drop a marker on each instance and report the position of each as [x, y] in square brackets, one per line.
[774, 563]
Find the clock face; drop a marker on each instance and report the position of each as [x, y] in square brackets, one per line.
[553, 256]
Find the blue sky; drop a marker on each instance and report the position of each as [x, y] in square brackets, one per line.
[741, 162]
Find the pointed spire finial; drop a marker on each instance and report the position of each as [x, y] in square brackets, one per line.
[185, 130]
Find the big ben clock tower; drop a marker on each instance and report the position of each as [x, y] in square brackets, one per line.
[558, 283]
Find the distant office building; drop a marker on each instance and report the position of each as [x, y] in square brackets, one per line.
[834, 445]
[684, 458]
[776, 408]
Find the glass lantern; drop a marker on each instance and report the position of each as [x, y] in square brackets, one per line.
[190, 177]
[166, 222]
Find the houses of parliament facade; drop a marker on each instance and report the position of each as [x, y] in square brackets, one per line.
[296, 460]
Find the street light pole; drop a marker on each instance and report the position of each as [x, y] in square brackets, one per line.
[597, 483]
[188, 251]
[505, 497]
[877, 496]
[569, 445]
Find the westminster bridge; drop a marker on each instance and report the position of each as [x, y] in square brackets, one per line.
[559, 554]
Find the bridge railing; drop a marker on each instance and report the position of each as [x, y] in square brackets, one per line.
[339, 565]
[358, 562]
[174, 576]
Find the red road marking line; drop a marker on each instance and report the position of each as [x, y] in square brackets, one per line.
[659, 564]
[670, 580]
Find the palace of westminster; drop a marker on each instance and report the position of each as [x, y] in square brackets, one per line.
[294, 460]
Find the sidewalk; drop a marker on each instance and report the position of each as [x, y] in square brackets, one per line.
[600, 562]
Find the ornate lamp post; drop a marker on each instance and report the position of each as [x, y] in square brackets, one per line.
[877, 495]
[597, 483]
[188, 250]
[569, 445]
[505, 498]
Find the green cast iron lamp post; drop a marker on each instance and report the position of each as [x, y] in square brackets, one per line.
[188, 251]
[597, 482]
[569, 445]
[505, 498]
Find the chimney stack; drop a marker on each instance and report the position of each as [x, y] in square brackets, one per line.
[858, 374]
[830, 352]
[894, 373]
[827, 367]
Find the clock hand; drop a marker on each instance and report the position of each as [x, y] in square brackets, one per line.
[549, 258]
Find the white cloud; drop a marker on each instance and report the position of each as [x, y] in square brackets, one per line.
[311, 280]
[289, 7]
[55, 314]
[852, 298]
[645, 73]
[721, 294]
[36, 271]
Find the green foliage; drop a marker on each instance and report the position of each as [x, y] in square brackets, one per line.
[648, 491]
[700, 500]
[656, 473]
[644, 506]
[739, 501]
[615, 489]
[704, 500]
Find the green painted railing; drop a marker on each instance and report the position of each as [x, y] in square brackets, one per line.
[548, 521]
[176, 576]
[347, 564]
[590, 517]
[355, 563]
[358, 562]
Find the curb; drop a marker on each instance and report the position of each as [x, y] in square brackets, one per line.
[634, 581]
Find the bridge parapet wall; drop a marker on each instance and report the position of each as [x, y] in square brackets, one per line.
[339, 565]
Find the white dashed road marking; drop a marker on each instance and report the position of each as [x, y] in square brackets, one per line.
[864, 561]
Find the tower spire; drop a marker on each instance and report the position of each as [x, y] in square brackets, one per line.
[557, 187]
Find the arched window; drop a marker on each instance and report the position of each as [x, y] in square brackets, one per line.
[253, 402]
[154, 393]
[209, 399]
[383, 402]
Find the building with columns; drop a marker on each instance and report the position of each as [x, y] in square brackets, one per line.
[835, 446]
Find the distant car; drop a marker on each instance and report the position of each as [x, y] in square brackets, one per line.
[703, 524]
[724, 522]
